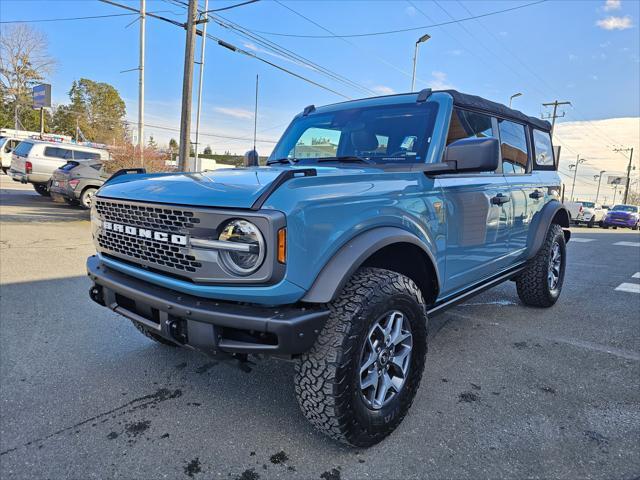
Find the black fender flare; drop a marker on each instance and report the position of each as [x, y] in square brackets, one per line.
[353, 254]
[542, 221]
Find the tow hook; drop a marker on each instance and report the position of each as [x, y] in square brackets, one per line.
[177, 329]
[96, 294]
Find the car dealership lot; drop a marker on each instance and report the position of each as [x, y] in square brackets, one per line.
[508, 391]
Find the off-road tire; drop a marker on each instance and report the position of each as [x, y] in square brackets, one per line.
[153, 336]
[327, 380]
[532, 283]
[42, 189]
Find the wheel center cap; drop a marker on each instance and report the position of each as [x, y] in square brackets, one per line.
[383, 358]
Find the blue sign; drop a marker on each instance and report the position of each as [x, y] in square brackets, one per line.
[41, 95]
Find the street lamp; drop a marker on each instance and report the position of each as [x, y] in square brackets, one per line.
[515, 95]
[422, 39]
[575, 173]
[599, 178]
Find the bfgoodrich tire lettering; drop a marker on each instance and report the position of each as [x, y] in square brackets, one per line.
[327, 379]
[535, 284]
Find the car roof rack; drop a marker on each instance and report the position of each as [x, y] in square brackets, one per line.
[423, 95]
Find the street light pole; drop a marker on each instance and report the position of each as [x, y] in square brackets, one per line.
[422, 39]
[599, 177]
[515, 95]
[575, 173]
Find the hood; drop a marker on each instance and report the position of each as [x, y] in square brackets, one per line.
[621, 214]
[227, 188]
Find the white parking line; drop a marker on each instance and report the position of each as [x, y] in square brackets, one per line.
[581, 239]
[629, 287]
[628, 244]
[636, 275]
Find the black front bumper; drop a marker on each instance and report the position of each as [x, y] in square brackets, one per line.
[203, 324]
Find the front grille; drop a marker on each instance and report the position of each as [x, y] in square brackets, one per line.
[157, 218]
[144, 251]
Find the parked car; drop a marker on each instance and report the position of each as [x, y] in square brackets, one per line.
[337, 260]
[622, 216]
[574, 209]
[590, 214]
[77, 181]
[34, 161]
[10, 138]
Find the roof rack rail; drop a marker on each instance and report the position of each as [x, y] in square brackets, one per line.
[308, 109]
[423, 95]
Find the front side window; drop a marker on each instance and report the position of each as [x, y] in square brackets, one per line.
[379, 134]
[513, 147]
[542, 147]
[469, 125]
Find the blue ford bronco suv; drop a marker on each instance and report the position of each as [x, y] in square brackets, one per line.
[371, 216]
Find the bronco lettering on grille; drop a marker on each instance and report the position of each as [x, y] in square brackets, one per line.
[146, 233]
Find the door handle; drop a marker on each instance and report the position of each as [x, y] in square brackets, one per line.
[536, 194]
[499, 199]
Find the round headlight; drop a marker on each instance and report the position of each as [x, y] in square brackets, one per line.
[248, 257]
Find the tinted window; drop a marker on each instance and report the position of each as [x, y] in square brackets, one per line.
[513, 146]
[82, 155]
[68, 166]
[96, 166]
[588, 204]
[468, 125]
[23, 149]
[625, 208]
[56, 152]
[380, 133]
[543, 149]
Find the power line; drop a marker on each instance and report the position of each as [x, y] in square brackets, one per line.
[231, 6]
[68, 18]
[234, 48]
[215, 135]
[390, 32]
[349, 42]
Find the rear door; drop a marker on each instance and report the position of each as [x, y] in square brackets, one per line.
[526, 196]
[478, 212]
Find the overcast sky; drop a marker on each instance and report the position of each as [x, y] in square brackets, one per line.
[586, 52]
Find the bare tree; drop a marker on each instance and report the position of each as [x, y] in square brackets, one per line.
[24, 62]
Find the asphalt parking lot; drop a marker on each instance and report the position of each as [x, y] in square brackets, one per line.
[508, 391]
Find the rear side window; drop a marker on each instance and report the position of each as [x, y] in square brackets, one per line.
[56, 152]
[23, 149]
[543, 151]
[82, 155]
[513, 147]
[469, 125]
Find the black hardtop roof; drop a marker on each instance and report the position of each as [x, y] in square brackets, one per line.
[478, 103]
[462, 100]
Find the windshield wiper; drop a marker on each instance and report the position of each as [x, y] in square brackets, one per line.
[346, 159]
[290, 161]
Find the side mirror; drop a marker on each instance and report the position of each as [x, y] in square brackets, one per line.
[473, 154]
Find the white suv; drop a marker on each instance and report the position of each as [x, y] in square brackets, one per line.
[591, 214]
[34, 161]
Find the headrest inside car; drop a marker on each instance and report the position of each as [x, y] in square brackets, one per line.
[364, 140]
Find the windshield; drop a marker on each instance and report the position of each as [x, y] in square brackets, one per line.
[625, 208]
[380, 134]
[588, 204]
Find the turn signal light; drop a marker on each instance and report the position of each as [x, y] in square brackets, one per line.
[282, 245]
[28, 167]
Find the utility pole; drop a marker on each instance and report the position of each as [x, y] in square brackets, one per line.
[203, 43]
[599, 177]
[554, 115]
[141, 83]
[575, 173]
[41, 121]
[626, 187]
[187, 88]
